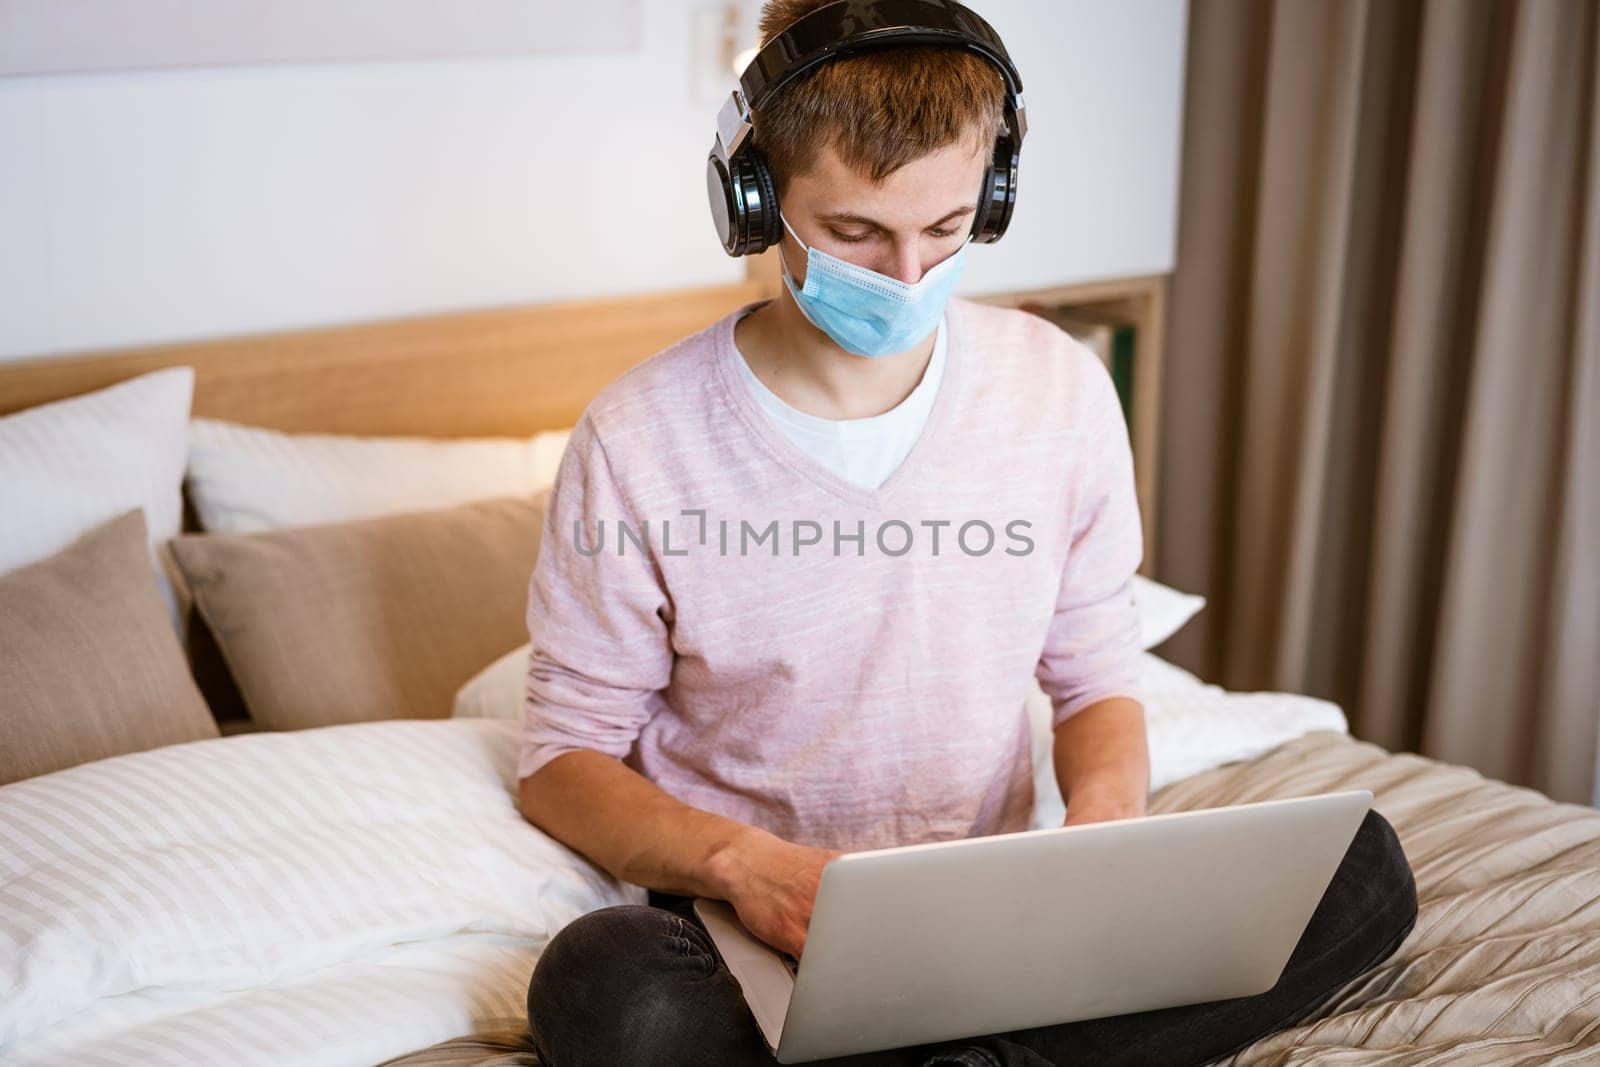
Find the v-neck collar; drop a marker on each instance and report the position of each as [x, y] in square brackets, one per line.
[781, 448]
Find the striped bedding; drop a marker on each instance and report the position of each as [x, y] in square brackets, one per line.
[355, 894]
[337, 895]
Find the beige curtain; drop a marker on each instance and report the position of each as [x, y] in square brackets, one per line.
[1381, 446]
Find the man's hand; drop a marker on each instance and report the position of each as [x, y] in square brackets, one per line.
[772, 885]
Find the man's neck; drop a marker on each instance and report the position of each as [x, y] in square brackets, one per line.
[809, 372]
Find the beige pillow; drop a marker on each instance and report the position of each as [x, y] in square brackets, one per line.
[89, 664]
[381, 618]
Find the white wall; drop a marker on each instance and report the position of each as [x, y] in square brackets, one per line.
[1098, 190]
[160, 206]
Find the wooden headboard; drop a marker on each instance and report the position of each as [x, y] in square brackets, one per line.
[505, 372]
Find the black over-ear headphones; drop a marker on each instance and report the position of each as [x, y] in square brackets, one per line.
[744, 198]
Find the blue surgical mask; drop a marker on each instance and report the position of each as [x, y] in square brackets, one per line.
[868, 313]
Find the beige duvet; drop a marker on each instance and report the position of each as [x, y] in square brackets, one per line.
[1502, 967]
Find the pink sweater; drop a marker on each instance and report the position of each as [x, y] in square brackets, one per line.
[845, 667]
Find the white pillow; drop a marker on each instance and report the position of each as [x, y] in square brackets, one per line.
[496, 692]
[1162, 609]
[244, 479]
[71, 465]
[192, 873]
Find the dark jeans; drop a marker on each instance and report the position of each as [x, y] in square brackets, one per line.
[643, 984]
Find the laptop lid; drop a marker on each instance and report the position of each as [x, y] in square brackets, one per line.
[959, 938]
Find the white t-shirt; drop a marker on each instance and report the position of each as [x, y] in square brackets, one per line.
[864, 451]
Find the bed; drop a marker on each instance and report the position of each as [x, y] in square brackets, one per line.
[291, 891]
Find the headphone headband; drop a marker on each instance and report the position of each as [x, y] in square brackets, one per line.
[743, 195]
[839, 29]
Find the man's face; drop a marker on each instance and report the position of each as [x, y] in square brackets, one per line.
[917, 218]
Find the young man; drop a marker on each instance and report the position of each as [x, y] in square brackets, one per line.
[798, 570]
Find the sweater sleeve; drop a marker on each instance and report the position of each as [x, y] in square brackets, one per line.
[597, 620]
[1093, 646]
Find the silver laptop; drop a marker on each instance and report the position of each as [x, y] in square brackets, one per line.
[953, 939]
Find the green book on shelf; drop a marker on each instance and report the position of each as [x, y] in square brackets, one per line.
[1122, 346]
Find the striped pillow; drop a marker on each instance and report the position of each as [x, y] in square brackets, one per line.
[194, 872]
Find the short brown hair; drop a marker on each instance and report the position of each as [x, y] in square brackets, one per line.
[880, 110]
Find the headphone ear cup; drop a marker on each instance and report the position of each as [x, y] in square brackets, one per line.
[768, 227]
[998, 194]
[980, 219]
[744, 203]
[726, 214]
